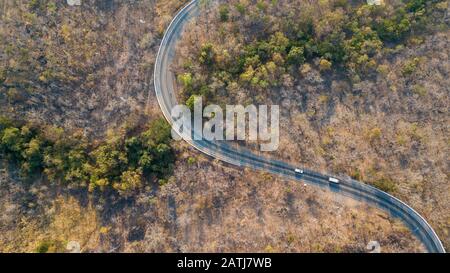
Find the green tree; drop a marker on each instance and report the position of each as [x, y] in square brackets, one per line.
[110, 161]
[33, 157]
[278, 42]
[134, 150]
[296, 55]
[12, 140]
[130, 182]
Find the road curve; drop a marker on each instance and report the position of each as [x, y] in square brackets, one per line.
[165, 92]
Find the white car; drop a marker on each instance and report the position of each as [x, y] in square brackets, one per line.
[299, 171]
[333, 180]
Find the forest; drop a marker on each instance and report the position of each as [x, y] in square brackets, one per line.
[340, 36]
[120, 163]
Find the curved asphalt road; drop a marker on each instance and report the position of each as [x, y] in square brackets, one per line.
[164, 86]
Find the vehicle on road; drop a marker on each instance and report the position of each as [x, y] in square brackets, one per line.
[300, 171]
[334, 180]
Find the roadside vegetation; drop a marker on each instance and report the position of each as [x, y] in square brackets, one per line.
[264, 50]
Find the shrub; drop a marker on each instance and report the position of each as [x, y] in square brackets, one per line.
[191, 160]
[224, 13]
[324, 65]
[410, 66]
[186, 79]
[207, 54]
[50, 246]
[374, 134]
[385, 184]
